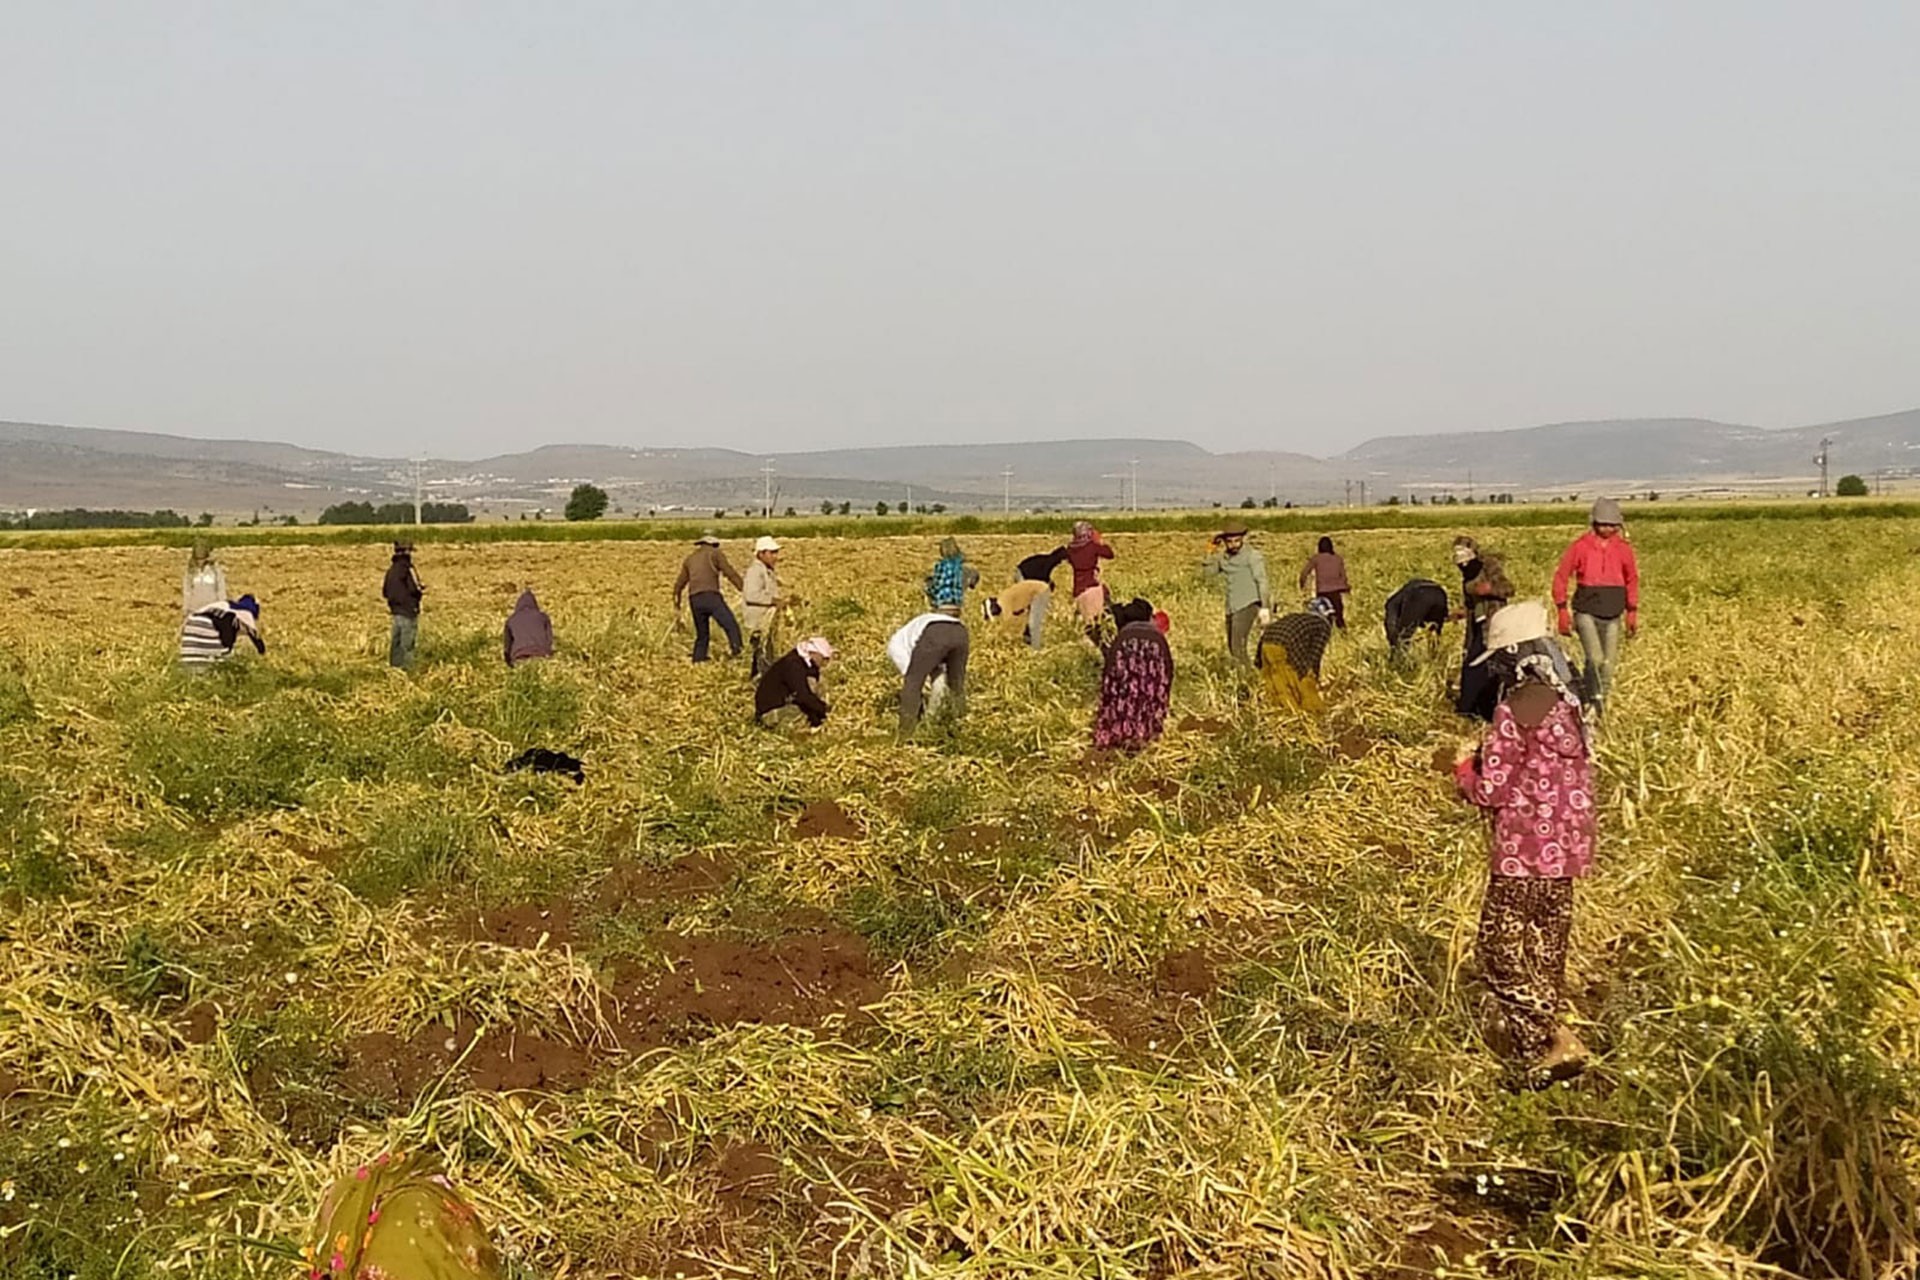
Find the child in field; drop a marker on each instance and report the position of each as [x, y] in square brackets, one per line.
[1136, 682]
[794, 681]
[1326, 572]
[208, 635]
[1533, 776]
[529, 631]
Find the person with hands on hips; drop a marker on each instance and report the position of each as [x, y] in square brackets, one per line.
[1604, 576]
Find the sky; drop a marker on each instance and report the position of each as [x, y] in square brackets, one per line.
[466, 227]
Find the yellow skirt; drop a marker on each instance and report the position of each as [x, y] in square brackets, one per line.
[1287, 687]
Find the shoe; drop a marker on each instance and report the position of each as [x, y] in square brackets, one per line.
[1566, 1056]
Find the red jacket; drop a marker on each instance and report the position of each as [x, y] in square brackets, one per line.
[1594, 561]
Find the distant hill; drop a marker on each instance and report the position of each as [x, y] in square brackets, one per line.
[44, 466]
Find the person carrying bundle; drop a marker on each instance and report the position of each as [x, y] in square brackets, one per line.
[762, 600]
[1289, 655]
[1533, 775]
[529, 631]
[1136, 682]
[1245, 572]
[794, 681]
[208, 635]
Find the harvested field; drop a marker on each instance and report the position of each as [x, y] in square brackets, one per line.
[984, 1004]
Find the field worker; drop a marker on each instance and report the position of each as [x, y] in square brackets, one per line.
[794, 681]
[207, 635]
[1533, 775]
[1085, 550]
[1245, 571]
[399, 1218]
[699, 580]
[1420, 603]
[1484, 590]
[1605, 576]
[1040, 566]
[761, 600]
[403, 590]
[1024, 604]
[529, 632]
[205, 582]
[1289, 654]
[1326, 574]
[947, 584]
[932, 644]
[1136, 683]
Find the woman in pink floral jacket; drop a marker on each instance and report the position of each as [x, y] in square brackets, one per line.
[1534, 776]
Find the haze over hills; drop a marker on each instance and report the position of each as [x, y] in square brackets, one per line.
[44, 466]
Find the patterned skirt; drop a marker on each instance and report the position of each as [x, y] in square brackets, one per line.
[1134, 689]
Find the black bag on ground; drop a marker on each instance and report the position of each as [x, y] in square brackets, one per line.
[541, 760]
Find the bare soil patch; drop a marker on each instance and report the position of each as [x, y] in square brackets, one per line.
[1436, 1249]
[1212, 726]
[396, 1070]
[690, 877]
[826, 820]
[1352, 744]
[973, 838]
[1186, 972]
[198, 1023]
[524, 924]
[801, 979]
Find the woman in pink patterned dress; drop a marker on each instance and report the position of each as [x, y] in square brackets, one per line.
[1136, 682]
[1534, 777]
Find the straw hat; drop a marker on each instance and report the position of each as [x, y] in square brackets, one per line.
[764, 543]
[1514, 624]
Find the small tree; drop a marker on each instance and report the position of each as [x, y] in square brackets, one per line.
[205, 521]
[880, 508]
[1248, 504]
[846, 508]
[939, 508]
[587, 502]
[790, 511]
[826, 506]
[1851, 487]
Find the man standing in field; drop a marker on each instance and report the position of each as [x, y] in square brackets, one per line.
[699, 581]
[1245, 571]
[761, 601]
[1605, 575]
[403, 590]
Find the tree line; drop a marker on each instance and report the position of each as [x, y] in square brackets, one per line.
[87, 518]
[396, 513]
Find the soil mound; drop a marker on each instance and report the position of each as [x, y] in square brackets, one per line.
[825, 819]
[797, 980]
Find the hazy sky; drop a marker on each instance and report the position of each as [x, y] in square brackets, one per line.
[459, 227]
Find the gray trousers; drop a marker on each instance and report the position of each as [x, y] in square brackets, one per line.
[1239, 626]
[1037, 617]
[400, 643]
[1600, 642]
[942, 648]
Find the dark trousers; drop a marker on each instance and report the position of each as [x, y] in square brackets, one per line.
[1240, 624]
[942, 648]
[709, 607]
[1337, 601]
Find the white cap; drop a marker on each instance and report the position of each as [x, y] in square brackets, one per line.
[764, 543]
[1517, 623]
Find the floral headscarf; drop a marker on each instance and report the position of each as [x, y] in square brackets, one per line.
[399, 1219]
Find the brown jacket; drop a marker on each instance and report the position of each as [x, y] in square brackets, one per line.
[702, 571]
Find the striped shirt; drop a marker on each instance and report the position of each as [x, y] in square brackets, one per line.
[208, 635]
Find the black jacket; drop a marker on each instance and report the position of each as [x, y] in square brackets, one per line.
[402, 589]
[790, 680]
[1421, 603]
[1039, 568]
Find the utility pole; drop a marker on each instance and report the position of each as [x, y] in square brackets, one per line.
[1006, 491]
[1273, 483]
[909, 500]
[1349, 485]
[1821, 457]
[1133, 479]
[766, 476]
[417, 505]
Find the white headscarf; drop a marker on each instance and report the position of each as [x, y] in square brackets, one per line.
[815, 650]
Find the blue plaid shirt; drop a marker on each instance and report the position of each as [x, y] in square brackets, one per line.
[947, 584]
